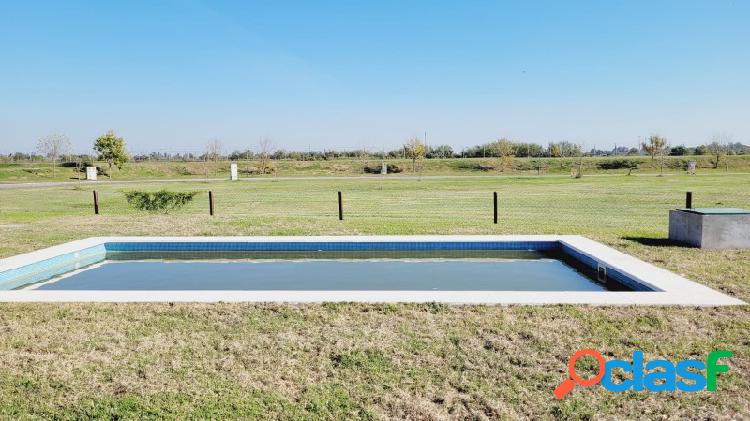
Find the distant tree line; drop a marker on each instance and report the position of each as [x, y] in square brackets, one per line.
[56, 148]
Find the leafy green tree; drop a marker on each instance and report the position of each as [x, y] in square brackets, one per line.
[680, 150]
[655, 146]
[415, 150]
[528, 150]
[555, 150]
[503, 149]
[111, 148]
[440, 151]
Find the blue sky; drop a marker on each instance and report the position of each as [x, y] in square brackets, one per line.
[170, 75]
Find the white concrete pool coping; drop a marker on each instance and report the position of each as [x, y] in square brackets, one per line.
[671, 289]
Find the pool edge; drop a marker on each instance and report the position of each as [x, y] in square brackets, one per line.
[671, 289]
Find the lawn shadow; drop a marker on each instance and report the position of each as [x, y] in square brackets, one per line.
[655, 242]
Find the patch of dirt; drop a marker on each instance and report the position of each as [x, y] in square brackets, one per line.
[10, 226]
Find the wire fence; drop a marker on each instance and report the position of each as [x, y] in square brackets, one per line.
[480, 206]
[313, 204]
[397, 206]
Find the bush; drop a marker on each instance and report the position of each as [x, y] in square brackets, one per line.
[475, 166]
[260, 169]
[160, 201]
[618, 164]
[378, 169]
[184, 170]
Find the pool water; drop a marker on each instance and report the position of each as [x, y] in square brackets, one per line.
[334, 271]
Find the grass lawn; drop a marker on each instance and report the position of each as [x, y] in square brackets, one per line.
[369, 361]
[156, 170]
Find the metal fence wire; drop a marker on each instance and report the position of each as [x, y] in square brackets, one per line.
[311, 203]
[522, 206]
[381, 203]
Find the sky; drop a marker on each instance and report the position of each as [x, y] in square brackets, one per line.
[172, 75]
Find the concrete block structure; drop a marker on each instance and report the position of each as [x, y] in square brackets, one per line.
[233, 171]
[91, 173]
[712, 228]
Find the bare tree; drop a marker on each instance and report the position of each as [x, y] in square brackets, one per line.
[214, 148]
[578, 152]
[718, 146]
[656, 146]
[54, 146]
[363, 154]
[265, 150]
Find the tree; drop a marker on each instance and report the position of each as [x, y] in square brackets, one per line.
[718, 146]
[555, 151]
[680, 150]
[414, 149]
[111, 148]
[528, 150]
[564, 149]
[214, 148]
[440, 151]
[578, 152]
[265, 150]
[539, 165]
[503, 149]
[53, 146]
[655, 146]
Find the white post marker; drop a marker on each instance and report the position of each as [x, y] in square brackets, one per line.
[384, 170]
[91, 173]
[233, 171]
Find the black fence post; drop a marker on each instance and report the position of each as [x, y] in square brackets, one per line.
[689, 200]
[96, 202]
[341, 209]
[211, 203]
[494, 205]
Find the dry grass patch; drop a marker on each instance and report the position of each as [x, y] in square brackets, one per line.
[344, 361]
[349, 360]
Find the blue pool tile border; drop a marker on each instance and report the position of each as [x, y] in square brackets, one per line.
[611, 272]
[48, 268]
[331, 246]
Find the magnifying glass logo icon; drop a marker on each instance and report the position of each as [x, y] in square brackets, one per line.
[568, 384]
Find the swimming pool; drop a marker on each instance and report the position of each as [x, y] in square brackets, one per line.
[471, 270]
[457, 269]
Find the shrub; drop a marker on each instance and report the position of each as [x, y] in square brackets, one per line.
[377, 169]
[184, 170]
[475, 166]
[261, 169]
[160, 201]
[617, 164]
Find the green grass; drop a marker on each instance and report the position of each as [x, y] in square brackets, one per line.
[369, 361]
[42, 171]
